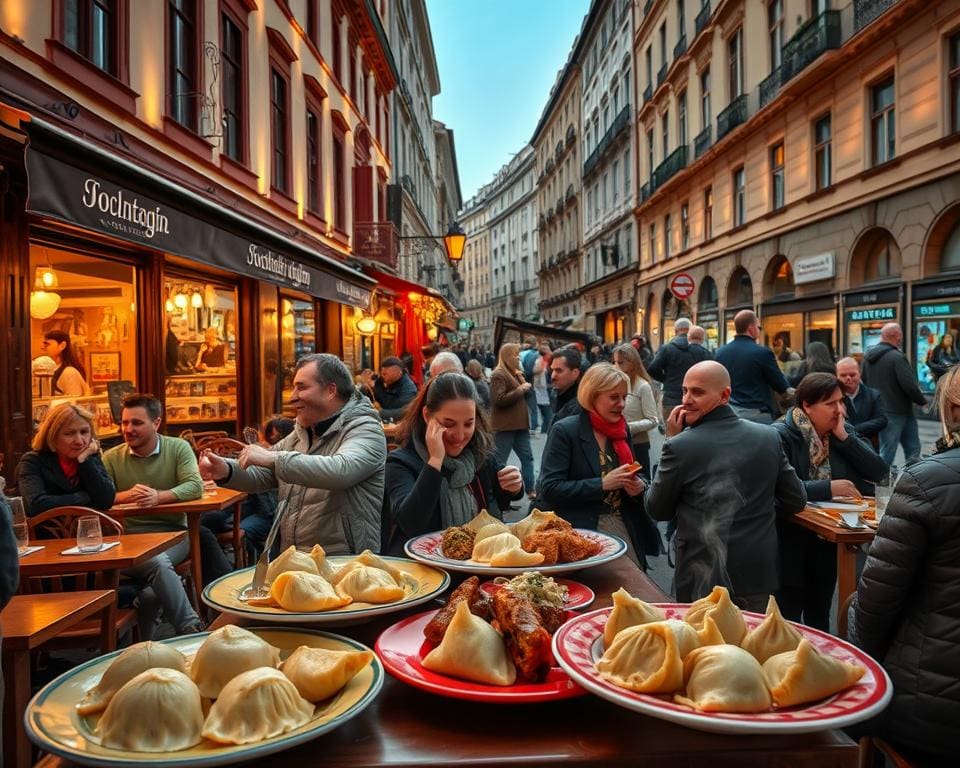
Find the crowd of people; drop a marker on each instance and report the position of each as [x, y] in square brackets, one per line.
[745, 448]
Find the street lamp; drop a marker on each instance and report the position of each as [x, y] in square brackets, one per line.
[453, 243]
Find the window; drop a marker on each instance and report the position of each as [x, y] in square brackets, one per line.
[682, 119]
[954, 83]
[818, 6]
[665, 131]
[336, 51]
[681, 19]
[626, 173]
[313, 21]
[776, 177]
[627, 245]
[91, 28]
[821, 152]
[615, 179]
[684, 226]
[232, 67]
[667, 235]
[278, 131]
[352, 63]
[653, 243]
[708, 213]
[314, 144]
[705, 115]
[182, 62]
[650, 152]
[615, 99]
[663, 45]
[604, 188]
[775, 32]
[883, 121]
[735, 64]
[739, 197]
[648, 56]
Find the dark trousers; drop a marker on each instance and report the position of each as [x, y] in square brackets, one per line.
[805, 596]
[642, 452]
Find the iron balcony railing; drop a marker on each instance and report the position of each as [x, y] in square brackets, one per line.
[810, 42]
[702, 141]
[865, 11]
[770, 86]
[703, 19]
[734, 115]
[676, 161]
[620, 123]
[680, 48]
[662, 74]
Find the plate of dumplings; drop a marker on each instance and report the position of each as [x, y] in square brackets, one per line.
[309, 587]
[712, 667]
[214, 698]
[542, 540]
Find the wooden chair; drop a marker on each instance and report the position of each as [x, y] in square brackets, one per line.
[228, 448]
[187, 434]
[61, 523]
[203, 438]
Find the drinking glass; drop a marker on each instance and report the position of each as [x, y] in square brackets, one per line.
[882, 494]
[20, 529]
[89, 537]
[251, 435]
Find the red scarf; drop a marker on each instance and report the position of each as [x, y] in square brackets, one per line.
[71, 468]
[617, 432]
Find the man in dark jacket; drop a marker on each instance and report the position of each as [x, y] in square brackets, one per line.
[566, 368]
[887, 369]
[864, 409]
[672, 361]
[394, 390]
[723, 478]
[753, 371]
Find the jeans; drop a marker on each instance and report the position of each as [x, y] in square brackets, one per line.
[902, 430]
[531, 399]
[546, 418]
[158, 573]
[519, 441]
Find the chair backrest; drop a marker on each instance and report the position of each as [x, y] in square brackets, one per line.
[187, 434]
[61, 522]
[222, 446]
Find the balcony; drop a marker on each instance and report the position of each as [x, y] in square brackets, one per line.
[571, 135]
[770, 86]
[702, 20]
[676, 161]
[734, 115]
[620, 123]
[810, 42]
[680, 48]
[558, 152]
[645, 192]
[662, 74]
[703, 141]
[647, 93]
[866, 11]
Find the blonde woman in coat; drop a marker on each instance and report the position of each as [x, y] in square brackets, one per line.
[640, 409]
[510, 417]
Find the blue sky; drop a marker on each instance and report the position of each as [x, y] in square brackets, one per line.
[497, 61]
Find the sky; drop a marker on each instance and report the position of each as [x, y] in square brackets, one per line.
[497, 61]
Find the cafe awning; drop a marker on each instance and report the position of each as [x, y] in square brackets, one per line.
[438, 304]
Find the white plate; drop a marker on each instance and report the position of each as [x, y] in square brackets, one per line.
[427, 549]
[841, 506]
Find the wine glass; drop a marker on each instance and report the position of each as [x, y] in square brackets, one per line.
[89, 535]
[251, 435]
[20, 529]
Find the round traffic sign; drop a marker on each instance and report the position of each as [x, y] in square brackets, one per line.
[682, 286]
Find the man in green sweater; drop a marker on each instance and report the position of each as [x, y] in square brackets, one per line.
[150, 469]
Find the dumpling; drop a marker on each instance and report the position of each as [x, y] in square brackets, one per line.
[226, 653]
[157, 711]
[291, 559]
[805, 675]
[491, 529]
[480, 520]
[134, 660]
[628, 611]
[504, 550]
[648, 658]
[319, 673]
[724, 678]
[259, 704]
[531, 523]
[721, 609]
[304, 592]
[319, 557]
[772, 636]
[375, 561]
[370, 585]
[516, 557]
[473, 650]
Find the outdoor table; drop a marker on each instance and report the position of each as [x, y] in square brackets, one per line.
[847, 542]
[221, 498]
[27, 622]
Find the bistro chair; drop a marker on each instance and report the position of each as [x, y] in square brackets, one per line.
[228, 448]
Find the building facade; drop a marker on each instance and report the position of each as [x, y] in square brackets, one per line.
[820, 187]
[476, 267]
[449, 201]
[203, 186]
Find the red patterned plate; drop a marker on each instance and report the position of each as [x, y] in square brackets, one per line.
[402, 647]
[579, 643]
[579, 596]
[427, 549]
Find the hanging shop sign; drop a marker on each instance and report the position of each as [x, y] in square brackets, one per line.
[871, 314]
[62, 191]
[682, 286]
[809, 269]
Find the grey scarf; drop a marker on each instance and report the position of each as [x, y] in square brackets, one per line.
[458, 505]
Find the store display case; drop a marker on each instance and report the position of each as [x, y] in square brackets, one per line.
[98, 405]
[202, 397]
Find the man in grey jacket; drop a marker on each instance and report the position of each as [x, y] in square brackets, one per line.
[329, 470]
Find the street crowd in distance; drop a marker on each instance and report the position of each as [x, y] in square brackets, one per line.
[370, 463]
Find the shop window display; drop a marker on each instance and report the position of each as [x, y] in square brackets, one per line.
[298, 337]
[932, 322]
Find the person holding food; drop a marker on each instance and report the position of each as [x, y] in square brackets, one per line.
[445, 471]
[905, 610]
[510, 417]
[833, 461]
[589, 472]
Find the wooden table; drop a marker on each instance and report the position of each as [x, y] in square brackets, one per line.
[847, 542]
[27, 622]
[133, 549]
[221, 498]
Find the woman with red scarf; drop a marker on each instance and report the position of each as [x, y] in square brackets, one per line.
[64, 467]
[589, 473]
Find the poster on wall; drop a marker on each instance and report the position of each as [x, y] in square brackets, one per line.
[104, 367]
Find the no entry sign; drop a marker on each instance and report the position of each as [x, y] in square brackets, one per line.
[682, 286]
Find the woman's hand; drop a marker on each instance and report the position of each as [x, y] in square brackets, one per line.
[634, 485]
[434, 440]
[510, 479]
[526, 387]
[617, 478]
[844, 488]
[840, 431]
[92, 448]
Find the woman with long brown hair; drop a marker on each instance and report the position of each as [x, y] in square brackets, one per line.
[640, 409]
[69, 378]
[510, 417]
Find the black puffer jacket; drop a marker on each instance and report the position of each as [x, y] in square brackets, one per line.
[672, 362]
[907, 610]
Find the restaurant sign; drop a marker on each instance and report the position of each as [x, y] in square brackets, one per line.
[809, 269]
[872, 314]
[70, 194]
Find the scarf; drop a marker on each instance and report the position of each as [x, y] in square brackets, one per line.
[71, 468]
[617, 433]
[458, 505]
[819, 449]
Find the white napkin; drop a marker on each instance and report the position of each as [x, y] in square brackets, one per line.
[103, 548]
[30, 551]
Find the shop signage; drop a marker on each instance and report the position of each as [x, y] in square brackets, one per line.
[809, 269]
[937, 310]
[71, 194]
[875, 313]
[936, 290]
[682, 286]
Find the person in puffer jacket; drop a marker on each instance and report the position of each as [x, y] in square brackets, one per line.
[906, 613]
